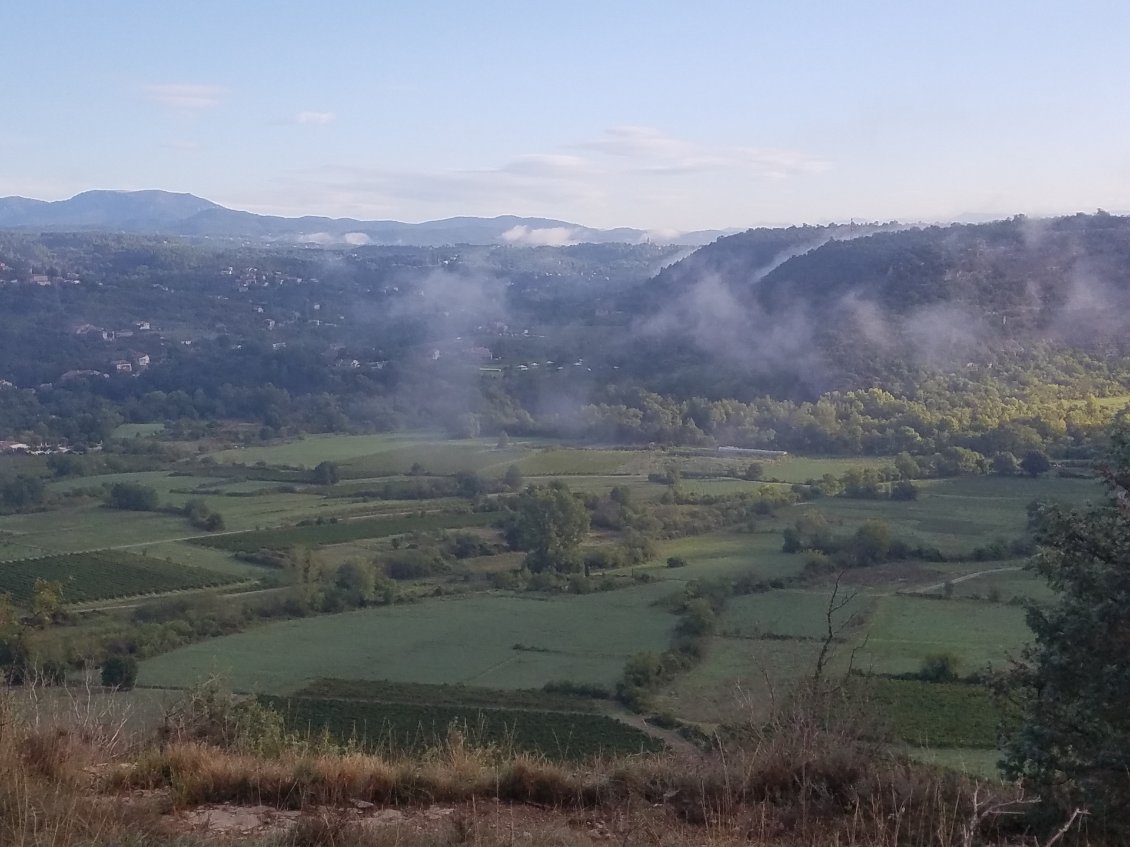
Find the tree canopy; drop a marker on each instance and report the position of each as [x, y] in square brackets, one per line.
[549, 524]
[1072, 687]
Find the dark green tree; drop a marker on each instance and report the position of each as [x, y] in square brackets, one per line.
[326, 473]
[1035, 462]
[872, 542]
[550, 524]
[907, 467]
[119, 672]
[1071, 743]
[1006, 464]
[132, 497]
[469, 484]
[513, 477]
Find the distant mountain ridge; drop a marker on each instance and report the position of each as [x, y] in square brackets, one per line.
[168, 213]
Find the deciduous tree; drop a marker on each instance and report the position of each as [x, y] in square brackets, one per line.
[1072, 685]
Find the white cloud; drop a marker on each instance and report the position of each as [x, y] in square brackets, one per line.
[639, 142]
[548, 236]
[627, 167]
[651, 151]
[315, 118]
[549, 165]
[184, 96]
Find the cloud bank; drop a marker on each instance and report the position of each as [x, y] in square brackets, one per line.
[188, 97]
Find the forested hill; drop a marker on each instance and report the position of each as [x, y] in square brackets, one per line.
[163, 212]
[834, 307]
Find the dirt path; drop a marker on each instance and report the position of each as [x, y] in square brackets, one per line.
[938, 586]
[669, 737]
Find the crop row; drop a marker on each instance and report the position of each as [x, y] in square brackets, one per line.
[103, 574]
[316, 535]
[464, 696]
[936, 714]
[399, 728]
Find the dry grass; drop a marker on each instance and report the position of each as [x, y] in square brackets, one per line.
[802, 781]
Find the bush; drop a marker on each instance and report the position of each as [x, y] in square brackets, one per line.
[132, 497]
[576, 689]
[939, 667]
[119, 672]
[413, 564]
[904, 490]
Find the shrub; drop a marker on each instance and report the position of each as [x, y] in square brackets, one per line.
[119, 672]
[132, 497]
[939, 667]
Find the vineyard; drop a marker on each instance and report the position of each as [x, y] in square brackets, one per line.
[104, 574]
[383, 691]
[342, 532]
[937, 714]
[398, 728]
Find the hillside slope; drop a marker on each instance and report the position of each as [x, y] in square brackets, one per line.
[808, 309]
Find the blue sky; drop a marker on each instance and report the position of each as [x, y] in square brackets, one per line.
[657, 115]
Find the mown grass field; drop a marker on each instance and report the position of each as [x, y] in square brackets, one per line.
[729, 554]
[361, 456]
[793, 613]
[309, 451]
[562, 462]
[802, 468]
[468, 640]
[1006, 586]
[905, 629]
[245, 504]
[87, 527]
[959, 514]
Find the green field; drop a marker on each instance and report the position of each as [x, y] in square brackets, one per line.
[88, 527]
[720, 487]
[905, 629]
[729, 554]
[137, 430]
[804, 468]
[959, 514]
[566, 462]
[469, 640]
[361, 456]
[245, 504]
[1006, 586]
[492, 649]
[795, 613]
[341, 532]
[931, 714]
[199, 556]
[740, 680]
[309, 451]
[106, 574]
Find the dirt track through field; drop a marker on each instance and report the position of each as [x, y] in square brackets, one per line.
[938, 586]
